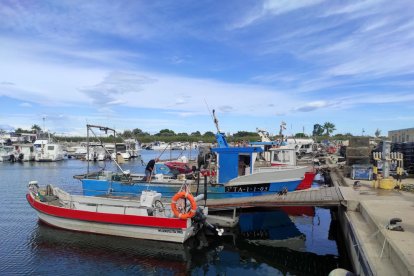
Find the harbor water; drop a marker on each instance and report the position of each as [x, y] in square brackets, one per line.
[271, 241]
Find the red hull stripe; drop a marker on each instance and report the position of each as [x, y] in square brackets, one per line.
[306, 183]
[106, 218]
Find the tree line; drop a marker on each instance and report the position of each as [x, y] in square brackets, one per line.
[320, 132]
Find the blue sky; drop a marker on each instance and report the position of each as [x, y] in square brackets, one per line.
[155, 64]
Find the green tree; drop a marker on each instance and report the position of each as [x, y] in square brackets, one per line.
[19, 130]
[317, 130]
[377, 133]
[329, 128]
[36, 128]
[138, 132]
[196, 133]
[127, 134]
[241, 134]
[339, 136]
[182, 134]
[300, 135]
[209, 134]
[166, 132]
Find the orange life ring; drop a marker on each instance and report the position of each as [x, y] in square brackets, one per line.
[175, 210]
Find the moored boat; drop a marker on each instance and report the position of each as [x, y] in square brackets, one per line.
[5, 152]
[48, 151]
[233, 175]
[147, 218]
[24, 152]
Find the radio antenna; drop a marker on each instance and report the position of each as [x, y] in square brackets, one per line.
[213, 115]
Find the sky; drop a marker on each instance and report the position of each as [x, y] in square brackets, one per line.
[158, 65]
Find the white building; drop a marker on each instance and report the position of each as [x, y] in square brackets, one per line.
[401, 135]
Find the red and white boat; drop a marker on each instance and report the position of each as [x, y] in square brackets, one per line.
[147, 218]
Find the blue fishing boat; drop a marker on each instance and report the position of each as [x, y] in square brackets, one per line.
[234, 175]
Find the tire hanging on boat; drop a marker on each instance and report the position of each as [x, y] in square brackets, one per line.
[193, 204]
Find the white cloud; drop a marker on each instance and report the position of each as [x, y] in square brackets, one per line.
[279, 58]
[74, 20]
[311, 106]
[26, 105]
[270, 8]
[284, 6]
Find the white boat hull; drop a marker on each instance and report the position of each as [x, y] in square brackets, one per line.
[110, 216]
[4, 158]
[150, 233]
[48, 157]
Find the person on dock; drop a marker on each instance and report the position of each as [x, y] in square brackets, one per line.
[149, 169]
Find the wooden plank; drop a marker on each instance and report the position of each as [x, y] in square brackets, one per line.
[319, 196]
[324, 192]
[324, 196]
[311, 196]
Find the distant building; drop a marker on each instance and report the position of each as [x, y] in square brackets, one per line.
[28, 137]
[401, 135]
[18, 137]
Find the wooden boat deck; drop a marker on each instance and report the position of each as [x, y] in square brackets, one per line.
[323, 196]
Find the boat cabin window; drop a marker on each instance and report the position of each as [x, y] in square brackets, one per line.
[281, 156]
[244, 164]
[121, 148]
[50, 147]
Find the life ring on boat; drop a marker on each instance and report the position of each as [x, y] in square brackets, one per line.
[193, 204]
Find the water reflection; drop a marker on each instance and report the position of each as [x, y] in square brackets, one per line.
[270, 237]
[105, 254]
[29, 247]
[266, 241]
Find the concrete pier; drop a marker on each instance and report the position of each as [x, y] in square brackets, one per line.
[365, 217]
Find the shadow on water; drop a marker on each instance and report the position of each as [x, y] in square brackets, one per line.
[105, 254]
[268, 237]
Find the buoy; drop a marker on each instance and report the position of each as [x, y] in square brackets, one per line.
[193, 204]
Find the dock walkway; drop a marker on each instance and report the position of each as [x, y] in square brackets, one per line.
[323, 196]
[373, 248]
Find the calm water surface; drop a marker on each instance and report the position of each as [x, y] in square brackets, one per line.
[267, 242]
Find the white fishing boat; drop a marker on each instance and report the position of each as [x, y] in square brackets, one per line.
[78, 151]
[97, 153]
[48, 151]
[133, 147]
[159, 145]
[121, 150]
[24, 152]
[5, 153]
[147, 218]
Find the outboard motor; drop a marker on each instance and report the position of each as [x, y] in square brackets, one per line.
[201, 218]
[21, 157]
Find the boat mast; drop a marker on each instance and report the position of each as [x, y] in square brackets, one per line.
[87, 147]
[220, 137]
